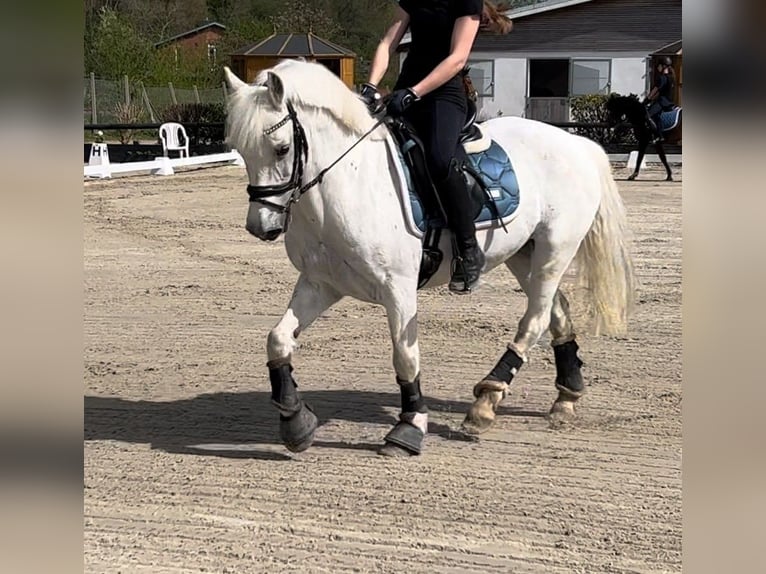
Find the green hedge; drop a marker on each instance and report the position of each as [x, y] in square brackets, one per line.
[592, 110]
[198, 114]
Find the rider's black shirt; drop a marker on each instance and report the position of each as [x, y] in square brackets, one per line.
[431, 26]
[665, 87]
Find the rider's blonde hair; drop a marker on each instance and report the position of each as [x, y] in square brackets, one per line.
[493, 18]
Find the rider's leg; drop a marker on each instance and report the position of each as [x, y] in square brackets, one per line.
[653, 113]
[441, 125]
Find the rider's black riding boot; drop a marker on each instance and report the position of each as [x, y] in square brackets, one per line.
[461, 210]
[655, 127]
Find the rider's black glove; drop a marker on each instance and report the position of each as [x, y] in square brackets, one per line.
[371, 96]
[400, 101]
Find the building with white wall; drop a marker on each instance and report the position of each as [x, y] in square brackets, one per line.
[559, 49]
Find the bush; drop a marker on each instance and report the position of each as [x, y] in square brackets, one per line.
[592, 110]
[186, 114]
[131, 113]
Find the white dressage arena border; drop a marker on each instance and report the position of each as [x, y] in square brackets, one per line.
[164, 165]
[160, 165]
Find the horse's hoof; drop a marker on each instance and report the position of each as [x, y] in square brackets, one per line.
[632, 177]
[476, 426]
[561, 413]
[669, 178]
[404, 439]
[297, 431]
[479, 419]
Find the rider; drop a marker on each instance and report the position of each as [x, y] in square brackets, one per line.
[660, 99]
[430, 95]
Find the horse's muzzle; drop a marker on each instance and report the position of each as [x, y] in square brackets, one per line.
[268, 235]
[271, 235]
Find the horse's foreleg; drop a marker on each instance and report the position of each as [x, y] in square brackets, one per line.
[642, 145]
[406, 438]
[297, 422]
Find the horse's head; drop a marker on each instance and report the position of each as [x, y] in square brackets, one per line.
[261, 126]
[621, 108]
[264, 127]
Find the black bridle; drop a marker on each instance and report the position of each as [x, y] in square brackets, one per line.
[262, 193]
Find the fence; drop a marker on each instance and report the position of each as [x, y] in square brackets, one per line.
[112, 101]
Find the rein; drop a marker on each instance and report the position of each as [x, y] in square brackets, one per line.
[261, 193]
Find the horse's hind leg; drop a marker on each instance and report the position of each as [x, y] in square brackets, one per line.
[539, 270]
[664, 160]
[569, 381]
[297, 422]
[406, 438]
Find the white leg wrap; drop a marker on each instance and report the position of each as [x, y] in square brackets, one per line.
[418, 420]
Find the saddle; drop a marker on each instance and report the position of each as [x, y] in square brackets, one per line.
[489, 175]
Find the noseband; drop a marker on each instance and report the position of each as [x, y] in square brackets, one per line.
[261, 193]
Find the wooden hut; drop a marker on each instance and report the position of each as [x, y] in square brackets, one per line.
[246, 63]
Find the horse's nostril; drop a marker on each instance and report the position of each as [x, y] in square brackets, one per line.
[272, 235]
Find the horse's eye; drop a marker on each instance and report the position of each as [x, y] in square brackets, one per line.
[282, 150]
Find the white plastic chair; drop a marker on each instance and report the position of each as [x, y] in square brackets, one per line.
[172, 134]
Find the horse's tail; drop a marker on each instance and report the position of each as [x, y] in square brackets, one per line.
[604, 262]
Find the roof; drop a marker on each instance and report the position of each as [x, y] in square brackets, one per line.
[673, 49]
[293, 45]
[528, 10]
[190, 33]
[540, 7]
[585, 26]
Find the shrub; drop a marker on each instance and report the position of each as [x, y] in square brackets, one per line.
[186, 114]
[124, 113]
[592, 110]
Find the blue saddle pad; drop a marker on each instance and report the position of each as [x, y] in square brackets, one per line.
[669, 120]
[495, 168]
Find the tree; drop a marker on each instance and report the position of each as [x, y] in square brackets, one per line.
[113, 48]
[162, 19]
[301, 16]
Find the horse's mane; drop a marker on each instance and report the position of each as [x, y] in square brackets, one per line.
[306, 85]
[623, 103]
[625, 99]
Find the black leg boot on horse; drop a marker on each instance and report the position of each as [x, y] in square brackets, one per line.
[461, 210]
[406, 438]
[297, 421]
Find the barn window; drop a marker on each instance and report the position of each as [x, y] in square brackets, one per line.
[591, 77]
[549, 78]
[482, 74]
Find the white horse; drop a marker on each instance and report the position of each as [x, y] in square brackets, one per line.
[348, 236]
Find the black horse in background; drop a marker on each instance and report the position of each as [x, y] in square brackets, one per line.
[630, 109]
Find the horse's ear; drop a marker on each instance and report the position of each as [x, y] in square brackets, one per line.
[276, 89]
[232, 80]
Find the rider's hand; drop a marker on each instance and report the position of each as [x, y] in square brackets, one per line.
[400, 101]
[371, 97]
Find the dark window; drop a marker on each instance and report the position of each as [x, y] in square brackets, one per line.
[549, 78]
[332, 65]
